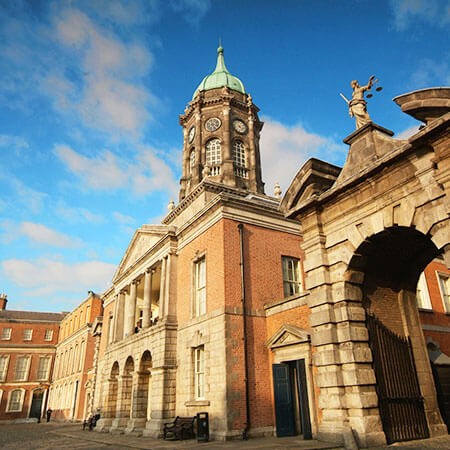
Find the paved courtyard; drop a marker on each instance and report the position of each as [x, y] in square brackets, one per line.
[69, 436]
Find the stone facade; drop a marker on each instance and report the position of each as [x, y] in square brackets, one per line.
[366, 240]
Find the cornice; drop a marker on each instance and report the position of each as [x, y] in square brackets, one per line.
[403, 149]
[83, 330]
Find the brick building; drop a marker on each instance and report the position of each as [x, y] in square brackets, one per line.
[27, 348]
[265, 312]
[71, 388]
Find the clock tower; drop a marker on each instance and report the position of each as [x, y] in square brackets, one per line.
[221, 131]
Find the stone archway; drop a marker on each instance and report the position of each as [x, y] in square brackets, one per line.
[386, 268]
[110, 407]
[125, 392]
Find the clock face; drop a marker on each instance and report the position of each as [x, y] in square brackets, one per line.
[213, 124]
[191, 134]
[240, 126]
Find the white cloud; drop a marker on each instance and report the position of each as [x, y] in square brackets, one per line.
[122, 218]
[78, 215]
[45, 276]
[43, 235]
[146, 174]
[17, 142]
[406, 134]
[193, 10]
[32, 199]
[431, 73]
[436, 12]
[109, 93]
[285, 149]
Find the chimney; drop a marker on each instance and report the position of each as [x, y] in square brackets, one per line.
[3, 301]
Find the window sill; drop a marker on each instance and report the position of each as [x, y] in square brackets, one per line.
[426, 310]
[197, 403]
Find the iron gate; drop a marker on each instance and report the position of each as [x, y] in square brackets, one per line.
[400, 402]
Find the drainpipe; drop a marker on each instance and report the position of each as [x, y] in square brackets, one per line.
[244, 316]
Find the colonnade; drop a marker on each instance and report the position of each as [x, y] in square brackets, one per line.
[126, 313]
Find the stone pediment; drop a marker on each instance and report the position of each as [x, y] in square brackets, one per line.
[143, 239]
[288, 335]
[313, 178]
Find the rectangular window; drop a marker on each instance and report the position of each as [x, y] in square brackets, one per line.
[48, 335]
[15, 400]
[3, 367]
[200, 287]
[27, 334]
[6, 334]
[43, 368]
[444, 285]
[291, 276]
[422, 294]
[199, 372]
[22, 368]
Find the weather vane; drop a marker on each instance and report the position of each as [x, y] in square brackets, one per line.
[357, 106]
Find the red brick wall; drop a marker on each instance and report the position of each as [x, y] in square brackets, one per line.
[263, 249]
[437, 317]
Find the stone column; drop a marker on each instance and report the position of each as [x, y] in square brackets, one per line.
[146, 310]
[123, 401]
[162, 290]
[130, 309]
[163, 400]
[138, 412]
[119, 331]
[251, 158]
[167, 288]
[115, 313]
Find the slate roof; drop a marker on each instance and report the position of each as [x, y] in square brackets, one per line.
[30, 316]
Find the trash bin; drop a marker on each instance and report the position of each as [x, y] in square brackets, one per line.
[202, 427]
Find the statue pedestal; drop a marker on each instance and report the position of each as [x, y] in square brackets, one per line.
[367, 144]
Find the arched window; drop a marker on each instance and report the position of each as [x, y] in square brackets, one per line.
[239, 156]
[191, 160]
[213, 154]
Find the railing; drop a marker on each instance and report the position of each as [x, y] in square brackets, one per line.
[241, 172]
[214, 171]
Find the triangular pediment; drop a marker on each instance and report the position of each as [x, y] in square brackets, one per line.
[288, 335]
[143, 240]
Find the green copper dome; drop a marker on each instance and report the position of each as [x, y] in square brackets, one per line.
[220, 77]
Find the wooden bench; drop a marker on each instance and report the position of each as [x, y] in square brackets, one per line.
[181, 428]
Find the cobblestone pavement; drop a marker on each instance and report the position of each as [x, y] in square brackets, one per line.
[46, 436]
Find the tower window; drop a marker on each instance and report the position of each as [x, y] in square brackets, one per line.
[213, 154]
[192, 159]
[239, 156]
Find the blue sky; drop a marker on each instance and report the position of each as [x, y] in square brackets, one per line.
[91, 91]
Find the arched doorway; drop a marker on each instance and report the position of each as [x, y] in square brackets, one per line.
[143, 391]
[36, 404]
[111, 399]
[126, 388]
[389, 264]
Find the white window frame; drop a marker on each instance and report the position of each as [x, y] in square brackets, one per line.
[48, 335]
[213, 152]
[239, 154]
[4, 373]
[47, 372]
[6, 334]
[292, 285]
[422, 293]
[27, 368]
[199, 301]
[28, 334]
[199, 372]
[21, 399]
[444, 288]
